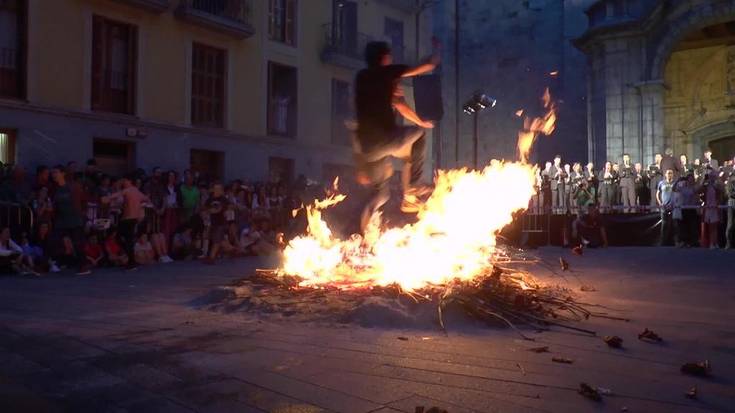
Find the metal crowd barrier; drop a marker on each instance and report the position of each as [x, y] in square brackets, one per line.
[18, 217]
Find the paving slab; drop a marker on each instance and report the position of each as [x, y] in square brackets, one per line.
[137, 342]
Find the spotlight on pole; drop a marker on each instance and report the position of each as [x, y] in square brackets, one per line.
[476, 104]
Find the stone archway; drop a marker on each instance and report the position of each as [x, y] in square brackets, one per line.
[684, 19]
[720, 138]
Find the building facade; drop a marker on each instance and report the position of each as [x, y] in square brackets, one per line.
[255, 89]
[661, 74]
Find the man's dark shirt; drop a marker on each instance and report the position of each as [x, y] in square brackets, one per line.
[375, 89]
[669, 162]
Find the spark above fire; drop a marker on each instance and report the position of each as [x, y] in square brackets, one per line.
[454, 236]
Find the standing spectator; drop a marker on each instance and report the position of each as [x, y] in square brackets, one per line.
[591, 176]
[20, 185]
[686, 167]
[169, 217]
[42, 207]
[558, 177]
[189, 197]
[567, 187]
[709, 161]
[545, 195]
[665, 199]
[730, 189]
[92, 255]
[627, 185]
[655, 175]
[686, 225]
[42, 178]
[642, 191]
[217, 204]
[67, 213]
[711, 194]
[607, 191]
[669, 162]
[132, 215]
[617, 197]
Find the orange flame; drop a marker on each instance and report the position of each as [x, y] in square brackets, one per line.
[532, 127]
[453, 238]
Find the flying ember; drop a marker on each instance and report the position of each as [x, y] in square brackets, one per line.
[454, 236]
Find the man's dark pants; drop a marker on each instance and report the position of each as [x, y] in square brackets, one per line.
[127, 230]
[730, 232]
[667, 227]
[374, 162]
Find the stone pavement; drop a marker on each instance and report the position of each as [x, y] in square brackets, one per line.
[134, 342]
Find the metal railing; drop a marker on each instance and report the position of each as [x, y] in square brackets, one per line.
[237, 10]
[18, 217]
[344, 41]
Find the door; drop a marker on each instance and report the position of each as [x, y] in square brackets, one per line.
[209, 165]
[114, 158]
[723, 149]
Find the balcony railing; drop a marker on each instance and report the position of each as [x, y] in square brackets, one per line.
[344, 47]
[408, 6]
[157, 6]
[231, 17]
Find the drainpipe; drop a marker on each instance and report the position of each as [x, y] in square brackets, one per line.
[456, 83]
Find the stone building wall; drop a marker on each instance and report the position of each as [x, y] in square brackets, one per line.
[508, 48]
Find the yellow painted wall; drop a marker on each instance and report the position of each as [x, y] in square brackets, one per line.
[60, 47]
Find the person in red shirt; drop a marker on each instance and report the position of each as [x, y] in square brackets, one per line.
[93, 255]
[114, 250]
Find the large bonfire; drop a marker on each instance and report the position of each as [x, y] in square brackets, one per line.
[454, 237]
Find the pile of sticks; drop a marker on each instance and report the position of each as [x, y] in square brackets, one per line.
[498, 296]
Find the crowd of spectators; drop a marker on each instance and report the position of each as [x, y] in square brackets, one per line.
[85, 219]
[693, 198]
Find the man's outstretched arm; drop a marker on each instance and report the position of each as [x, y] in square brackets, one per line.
[409, 114]
[427, 66]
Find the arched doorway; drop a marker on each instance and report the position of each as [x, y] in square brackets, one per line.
[723, 148]
[699, 98]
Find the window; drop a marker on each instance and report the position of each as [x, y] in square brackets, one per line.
[7, 146]
[208, 79]
[12, 48]
[344, 26]
[114, 60]
[341, 112]
[115, 158]
[393, 31]
[280, 170]
[210, 165]
[282, 21]
[282, 100]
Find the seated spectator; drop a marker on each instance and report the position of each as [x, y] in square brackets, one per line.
[160, 247]
[12, 259]
[66, 255]
[257, 240]
[144, 253]
[33, 256]
[93, 255]
[182, 247]
[114, 250]
[588, 229]
[231, 244]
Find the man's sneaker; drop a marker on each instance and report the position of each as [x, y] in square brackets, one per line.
[168, 259]
[84, 272]
[54, 268]
[410, 204]
[164, 259]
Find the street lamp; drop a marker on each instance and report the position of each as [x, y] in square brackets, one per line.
[477, 103]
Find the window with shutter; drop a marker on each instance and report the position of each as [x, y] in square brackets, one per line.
[208, 79]
[13, 26]
[114, 61]
[282, 21]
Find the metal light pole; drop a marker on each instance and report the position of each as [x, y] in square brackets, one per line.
[474, 106]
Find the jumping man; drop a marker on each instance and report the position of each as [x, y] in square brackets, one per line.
[377, 93]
